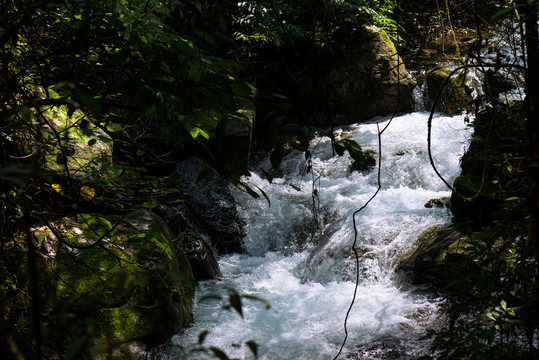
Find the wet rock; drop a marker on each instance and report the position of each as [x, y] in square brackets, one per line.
[488, 173]
[365, 166]
[438, 203]
[234, 145]
[474, 200]
[497, 83]
[456, 94]
[210, 206]
[429, 261]
[201, 256]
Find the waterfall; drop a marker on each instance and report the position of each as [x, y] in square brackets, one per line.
[299, 257]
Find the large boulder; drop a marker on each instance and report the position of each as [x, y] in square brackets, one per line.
[474, 199]
[210, 207]
[367, 77]
[113, 286]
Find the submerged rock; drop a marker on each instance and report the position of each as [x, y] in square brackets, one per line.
[211, 206]
[367, 165]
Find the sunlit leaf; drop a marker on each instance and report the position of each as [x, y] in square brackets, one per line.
[87, 192]
[58, 188]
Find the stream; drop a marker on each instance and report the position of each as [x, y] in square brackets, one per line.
[299, 250]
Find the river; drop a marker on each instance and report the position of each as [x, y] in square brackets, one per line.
[299, 250]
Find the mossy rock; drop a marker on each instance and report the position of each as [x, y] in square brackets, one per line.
[456, 96]
[475, 199]
[127, 276]
[367, 78]
[490, 167]
[429, 261]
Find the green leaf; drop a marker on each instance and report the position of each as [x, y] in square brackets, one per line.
[277, 155]
[504, 11]
[264, 194]
[251, 191]
[220, 132]
[339, 149]
[242, 89]
[235, 302]
[207, 37]
[267, 175]
[272, 137]
[259, 299]
[198, 131]
[76, 347]
[92, 104]
[113, 127]
[253, 347]
[181, 275]
[219, 353]
[354, 150]
[202, 336]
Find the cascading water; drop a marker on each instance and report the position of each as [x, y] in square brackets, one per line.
[299, 256]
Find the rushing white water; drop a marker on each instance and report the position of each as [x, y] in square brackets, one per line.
[304, 265]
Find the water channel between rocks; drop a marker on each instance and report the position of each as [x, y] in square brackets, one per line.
[306, 269]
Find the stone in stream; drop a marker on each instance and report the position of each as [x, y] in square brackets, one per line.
[211, 207]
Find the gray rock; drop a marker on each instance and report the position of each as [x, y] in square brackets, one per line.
[211, 206]
[438, 203]
[200, 255]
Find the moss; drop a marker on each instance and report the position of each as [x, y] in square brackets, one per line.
[135, 283]
[84, 145]
[455, 96]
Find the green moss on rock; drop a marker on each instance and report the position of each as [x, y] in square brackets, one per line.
[127, 274]
[455, 96]
[429, 261]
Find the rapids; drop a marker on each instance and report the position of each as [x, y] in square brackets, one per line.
[299, 256]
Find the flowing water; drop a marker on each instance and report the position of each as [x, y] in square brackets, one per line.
[299, 256]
